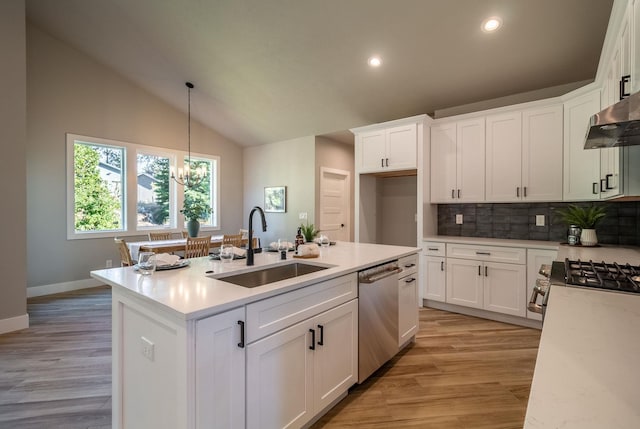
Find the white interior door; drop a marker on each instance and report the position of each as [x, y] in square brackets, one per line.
[335, 200]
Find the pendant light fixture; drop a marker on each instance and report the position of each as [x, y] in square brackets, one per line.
[187, 177]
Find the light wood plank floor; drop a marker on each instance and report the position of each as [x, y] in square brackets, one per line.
[462, 372]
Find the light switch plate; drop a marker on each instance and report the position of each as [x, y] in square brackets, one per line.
[539, 220]
[458, 219]
[148, 348]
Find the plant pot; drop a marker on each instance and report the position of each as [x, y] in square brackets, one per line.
[588, 237]
[193, 227]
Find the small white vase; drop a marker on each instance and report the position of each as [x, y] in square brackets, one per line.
[588, 237]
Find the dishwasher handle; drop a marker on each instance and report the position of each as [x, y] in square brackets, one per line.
[380, 275]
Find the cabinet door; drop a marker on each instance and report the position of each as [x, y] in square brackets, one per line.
[435, 285]
[371, 151]
[535, 259]
[336, 354]
[505, 288]
[504, 157]
[542, 154]
[634, 46]
[464, 282]
[581, 167]
[220, 371]
[471, 160]
[280, 379]
[401, 153]
[407, 308]
[443, 163]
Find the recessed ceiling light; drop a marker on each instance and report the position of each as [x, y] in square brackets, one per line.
[374, 61]
[490, 25]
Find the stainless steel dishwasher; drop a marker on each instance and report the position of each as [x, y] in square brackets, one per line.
[377, 317]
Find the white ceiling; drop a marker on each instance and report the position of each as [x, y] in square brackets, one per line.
[272, 70]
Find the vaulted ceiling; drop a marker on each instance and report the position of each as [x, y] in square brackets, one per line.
[271, 70]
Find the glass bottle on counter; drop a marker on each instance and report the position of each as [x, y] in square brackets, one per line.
[299, 238]
[573, 235]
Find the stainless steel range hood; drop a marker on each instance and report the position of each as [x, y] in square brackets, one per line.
[617, 125]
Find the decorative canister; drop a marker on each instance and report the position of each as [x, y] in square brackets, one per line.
[573, 236]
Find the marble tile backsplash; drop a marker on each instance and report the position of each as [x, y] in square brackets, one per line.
[518, 221]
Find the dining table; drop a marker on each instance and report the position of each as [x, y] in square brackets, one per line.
[165, 246]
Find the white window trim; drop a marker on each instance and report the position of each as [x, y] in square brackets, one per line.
[130, 195]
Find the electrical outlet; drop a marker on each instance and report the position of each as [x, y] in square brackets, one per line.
[302, 215]
[458, 219]
[148, 348]
[109, 263]
[539, 220]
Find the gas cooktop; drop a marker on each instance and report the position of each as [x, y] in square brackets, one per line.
[601, 275]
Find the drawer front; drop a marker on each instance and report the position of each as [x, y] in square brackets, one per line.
[273, 314]
[409, 265]
[434, 248]
[509, 255]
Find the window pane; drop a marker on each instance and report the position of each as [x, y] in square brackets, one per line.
[153, 191]
[202, 193]
[98, 185]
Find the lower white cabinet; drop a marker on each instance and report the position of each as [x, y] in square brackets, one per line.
[407, 299]
[295, 373]
[491, 278]
[435, 286]
[220, 371]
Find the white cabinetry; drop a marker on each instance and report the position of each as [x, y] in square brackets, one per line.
[581, 167]
[487, 277]
[295, 373]
[634, 45]
[535, 259]
[524, 155]
[389, 149]
[407, 299]
[457, 161]
[220, 371]
[435, 274]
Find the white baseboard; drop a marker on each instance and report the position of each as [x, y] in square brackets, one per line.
[62, 287]
[14, 323]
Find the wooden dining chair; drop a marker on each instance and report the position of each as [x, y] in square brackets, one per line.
[153, 236]
[185, 234]
[233, 239]
[197, 246]
[125, 255]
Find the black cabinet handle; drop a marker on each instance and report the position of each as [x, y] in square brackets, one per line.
[594, 188]
[313, 339]
[381, 162]
[387, 161]
[453, 193]
[321, 341]
[441, 265]
[606, 181]
[625, 79]
[602, 186]
[484, 253]
[409, 265]
[518, 191]
[410, 280]
[486, 274]
[479, 272]
[458, 193]
[525, 191]
[241, 343]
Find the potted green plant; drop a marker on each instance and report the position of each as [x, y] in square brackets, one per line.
[194, 210]
[308, 232]
[585, 218]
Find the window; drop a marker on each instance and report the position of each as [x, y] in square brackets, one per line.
[154, 191]
[118, 189]
[98, 187]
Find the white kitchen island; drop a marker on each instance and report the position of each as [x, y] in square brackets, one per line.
[191, 351]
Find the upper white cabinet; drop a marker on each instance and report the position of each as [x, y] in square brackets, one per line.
[457, 161]
[388, 149]
[524, 155]
[581, 167]
[634, 45]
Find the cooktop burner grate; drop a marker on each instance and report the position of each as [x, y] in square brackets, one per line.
[601, 275]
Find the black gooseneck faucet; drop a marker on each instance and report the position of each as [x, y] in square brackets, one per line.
[264, 228]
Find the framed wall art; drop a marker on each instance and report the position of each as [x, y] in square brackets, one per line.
[275, 199]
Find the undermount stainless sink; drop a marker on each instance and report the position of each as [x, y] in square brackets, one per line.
[270, 275]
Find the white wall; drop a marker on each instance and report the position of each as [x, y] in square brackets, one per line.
[69, 92]
[289, 163]
[13, 254]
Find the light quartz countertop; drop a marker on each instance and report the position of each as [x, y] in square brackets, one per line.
[193, 292]
[529, 244]
[586, 374]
